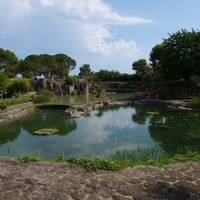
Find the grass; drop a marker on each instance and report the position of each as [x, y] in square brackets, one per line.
[195, 102]
[13, 101]
[125, 158]
[43, 96]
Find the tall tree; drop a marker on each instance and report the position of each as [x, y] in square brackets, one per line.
[48, 64]
[3, 80]
[142, 68]
[181, 54]
[64, 65]
[32, 65]
[85, 70]
[8, 62]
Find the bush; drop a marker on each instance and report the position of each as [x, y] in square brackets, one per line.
[74, 92]
[4, 80]
[46, 93]
[195, 102]
[19, 84]
[40, 99]
[43, 96]
[3, 105]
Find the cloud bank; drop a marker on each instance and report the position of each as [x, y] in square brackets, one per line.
[79, 28]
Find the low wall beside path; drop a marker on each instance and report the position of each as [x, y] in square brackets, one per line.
[16, 111]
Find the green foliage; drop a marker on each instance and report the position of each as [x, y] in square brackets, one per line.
[40, 99]
[85, 70]
[8, 62]
[106, 75]
[181, 55]
[61, 157]
[46, 131]
[195, 102]
[154, 157]
[13, 101]
[28, 158]
[194, 81]
[142, 69]
[43, 96]
[19, 84]
[2, 105]
[70, 80]
[3, 80]
[46, 93]
[93, 165]
[74, 92]
[139, 154]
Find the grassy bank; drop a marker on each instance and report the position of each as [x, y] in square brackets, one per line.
[122, 159]
[12, 101]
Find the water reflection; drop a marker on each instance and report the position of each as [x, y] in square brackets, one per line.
[9, 133]
[102, 132]
[48, 119]
[173, 129]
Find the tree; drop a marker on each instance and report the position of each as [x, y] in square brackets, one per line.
[8, 62]
[142, 68]
[85, 70]
[155, 56]
[3, 80]
[32, 65]
[64, 65]
[181, 55]
[48, 64]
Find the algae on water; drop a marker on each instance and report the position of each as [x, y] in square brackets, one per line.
[46, 131]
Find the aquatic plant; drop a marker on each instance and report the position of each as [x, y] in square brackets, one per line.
[46, 131]
[153, 157]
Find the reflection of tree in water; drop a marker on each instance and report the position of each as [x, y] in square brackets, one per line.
[9, 132]
[49, 119]
[104, 109]
[142, 113]
[140, 116]
[175, 130]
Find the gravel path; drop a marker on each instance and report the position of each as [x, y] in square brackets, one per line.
[65, 181]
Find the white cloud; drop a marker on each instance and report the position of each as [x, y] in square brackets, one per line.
[13, 10]
[29, 21]
[47, 2]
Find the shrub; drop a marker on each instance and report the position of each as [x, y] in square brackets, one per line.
[4, 80]
[19, 84]
[3, 105]
[46, 93]
[43, 96]
[74, 92]
[40, 99]
[195, 102]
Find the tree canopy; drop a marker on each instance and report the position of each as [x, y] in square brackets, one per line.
[178, 57]
[142, 68]
[85, 70]
[8, 62]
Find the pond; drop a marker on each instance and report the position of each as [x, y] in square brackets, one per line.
[102, 132]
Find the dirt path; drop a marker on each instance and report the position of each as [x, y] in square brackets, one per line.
[65, 181]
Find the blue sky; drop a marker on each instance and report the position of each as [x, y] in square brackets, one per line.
[107, 34]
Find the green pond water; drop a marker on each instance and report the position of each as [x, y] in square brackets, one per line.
[102, 132]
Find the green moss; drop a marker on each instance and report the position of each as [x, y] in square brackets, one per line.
[46, 131]
[153, 157]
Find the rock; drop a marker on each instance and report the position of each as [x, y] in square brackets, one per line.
[80, 110]
[51, 180]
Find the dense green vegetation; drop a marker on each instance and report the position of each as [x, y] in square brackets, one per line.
[125, 158]
[195, 102]
[177, 58]
[12, 101]
[173, 64]
[43, 96]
